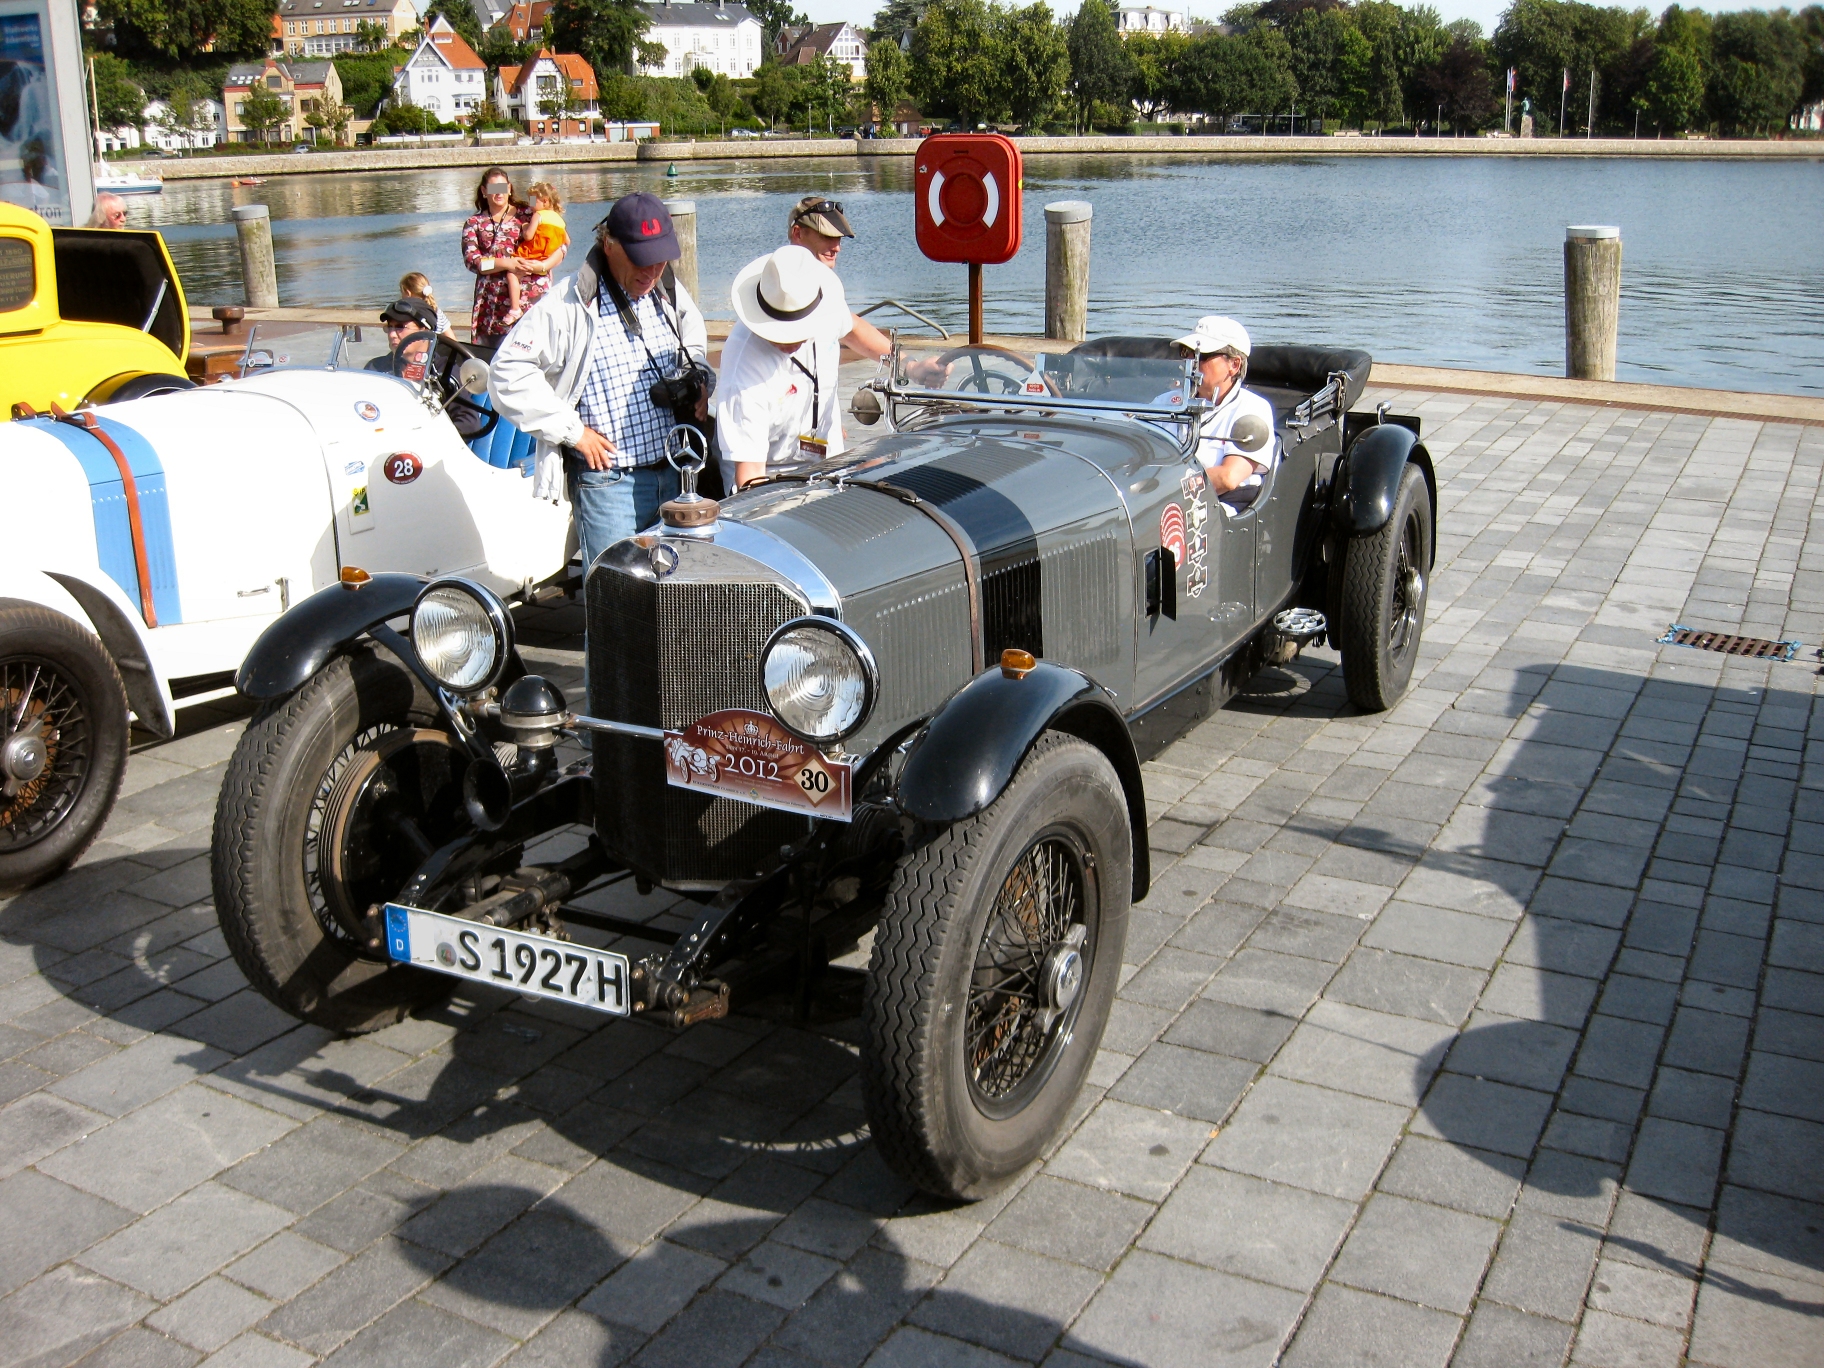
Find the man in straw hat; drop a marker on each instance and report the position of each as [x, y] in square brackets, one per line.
[778, 394]
[578, 372]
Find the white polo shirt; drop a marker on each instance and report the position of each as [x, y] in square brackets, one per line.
[768, 402]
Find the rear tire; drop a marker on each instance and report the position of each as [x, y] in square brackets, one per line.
[141, 387]
[63, 741]
[1386, 578]
[966, 1081]
[281, 879]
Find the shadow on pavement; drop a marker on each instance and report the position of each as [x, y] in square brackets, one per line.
[1608, 1046]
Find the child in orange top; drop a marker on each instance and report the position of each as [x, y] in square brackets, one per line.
[543, 235]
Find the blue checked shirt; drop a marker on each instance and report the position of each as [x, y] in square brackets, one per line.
[621, 370]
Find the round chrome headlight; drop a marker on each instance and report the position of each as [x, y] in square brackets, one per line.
[462, 633]
[820, 679]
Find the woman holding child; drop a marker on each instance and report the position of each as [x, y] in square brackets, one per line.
[506, 282]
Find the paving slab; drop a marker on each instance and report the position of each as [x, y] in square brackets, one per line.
[1453, 1031]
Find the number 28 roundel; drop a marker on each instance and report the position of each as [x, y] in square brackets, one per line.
[968, 193]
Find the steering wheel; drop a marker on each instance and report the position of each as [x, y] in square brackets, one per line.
[433, 382]
[981, 380]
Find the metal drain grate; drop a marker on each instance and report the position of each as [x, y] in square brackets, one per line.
[1758, 648]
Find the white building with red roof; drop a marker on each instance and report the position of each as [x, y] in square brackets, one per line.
[553, 95]
[443, 76]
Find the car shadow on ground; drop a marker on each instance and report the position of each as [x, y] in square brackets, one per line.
[518, 1153]
[1608, 1048]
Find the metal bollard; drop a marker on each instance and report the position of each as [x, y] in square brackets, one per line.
[1067, 270]
[684, 221]
[259, 278]
[1592, 300]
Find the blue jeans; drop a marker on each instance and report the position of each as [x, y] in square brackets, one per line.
[612, 504]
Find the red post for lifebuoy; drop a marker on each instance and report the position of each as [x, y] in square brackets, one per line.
[975, 303]
[967, 190]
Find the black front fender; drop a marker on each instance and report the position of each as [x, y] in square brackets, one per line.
[1367, 481]
[306, 637]
[969, 751]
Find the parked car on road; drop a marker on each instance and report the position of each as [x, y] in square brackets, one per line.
[150, 542]
[898, 699]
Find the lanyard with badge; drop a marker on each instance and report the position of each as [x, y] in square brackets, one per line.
[811, 447]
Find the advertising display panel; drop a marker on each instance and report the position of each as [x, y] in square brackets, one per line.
[44, 165]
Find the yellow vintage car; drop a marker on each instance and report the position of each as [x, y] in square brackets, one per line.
[86, 314]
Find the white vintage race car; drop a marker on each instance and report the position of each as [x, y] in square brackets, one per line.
[147, 544]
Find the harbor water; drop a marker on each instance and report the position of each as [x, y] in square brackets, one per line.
[1422, 261]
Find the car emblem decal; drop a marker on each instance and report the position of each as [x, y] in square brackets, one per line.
[402, 467]
[1171, 531]
[367, 412]
[664, 559]
[357, 501]
[354, 467]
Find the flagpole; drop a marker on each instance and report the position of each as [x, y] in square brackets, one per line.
[1563, 92]
[1507, 113]
[1590, 127]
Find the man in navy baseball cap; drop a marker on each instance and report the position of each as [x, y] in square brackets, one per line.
[642, 226]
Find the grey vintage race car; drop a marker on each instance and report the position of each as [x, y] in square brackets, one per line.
[903, 696]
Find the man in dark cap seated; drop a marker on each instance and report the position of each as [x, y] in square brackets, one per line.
[401, 318]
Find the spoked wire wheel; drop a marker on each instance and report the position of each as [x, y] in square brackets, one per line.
[45, 740]
[1406, 610]
[1028, 968]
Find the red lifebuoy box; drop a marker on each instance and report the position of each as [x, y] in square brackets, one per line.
[968, 192]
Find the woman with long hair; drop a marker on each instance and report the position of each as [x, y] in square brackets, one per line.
[490, 243]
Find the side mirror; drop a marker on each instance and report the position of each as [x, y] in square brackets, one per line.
[1251, 433]
[472, 376]
[866, 407]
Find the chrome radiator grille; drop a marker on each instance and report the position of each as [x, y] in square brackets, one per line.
[663, 655]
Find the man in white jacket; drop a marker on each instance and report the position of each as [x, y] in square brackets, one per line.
[577, 374]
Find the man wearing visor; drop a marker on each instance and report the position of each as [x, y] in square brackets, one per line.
[584, 372]
[776, 406]
[1221, 346]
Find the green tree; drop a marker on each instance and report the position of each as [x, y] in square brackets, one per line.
[1674, 94]
[605, 32]
[462, 18]
[1458, 82]
[119, 99]
[650, 54]
[889, 76]
[184, 30]
[775, 92]
[621, 98]
[406, 118]
[1036, 61]
[825, 87]
[775, 15]
[331, 119]
[370, 36]
[1152, 64]
[896, 20]
[367, 79]
[263, 111]
[958, 67]
[1098, 62]
[1319, 39]
[500, 48]
[718, 92]
[1759, 71]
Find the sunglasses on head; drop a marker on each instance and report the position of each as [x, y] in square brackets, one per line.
[821, 206]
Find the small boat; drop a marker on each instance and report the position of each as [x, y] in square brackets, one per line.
[246, 180]
[126, 182]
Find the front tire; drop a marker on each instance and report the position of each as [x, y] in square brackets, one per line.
[335, 794]
[972, 1055]
[1386, 581]
[140, 387]
[63, 741]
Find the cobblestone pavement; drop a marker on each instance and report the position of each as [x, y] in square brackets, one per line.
[1483, 1032]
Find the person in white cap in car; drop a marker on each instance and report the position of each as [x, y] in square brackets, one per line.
[1221, 346]
[777, 396]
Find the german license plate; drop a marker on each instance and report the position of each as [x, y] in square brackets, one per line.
[539, 966]
[739, 753]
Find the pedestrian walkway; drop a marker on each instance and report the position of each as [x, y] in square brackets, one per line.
[1483, 1032]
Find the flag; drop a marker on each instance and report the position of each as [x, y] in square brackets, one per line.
[1510, 80]
[1567, 78]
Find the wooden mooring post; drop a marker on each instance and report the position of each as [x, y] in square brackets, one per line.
[259, 278]
[1067, 269]
[1592, 300]
[684, 222]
